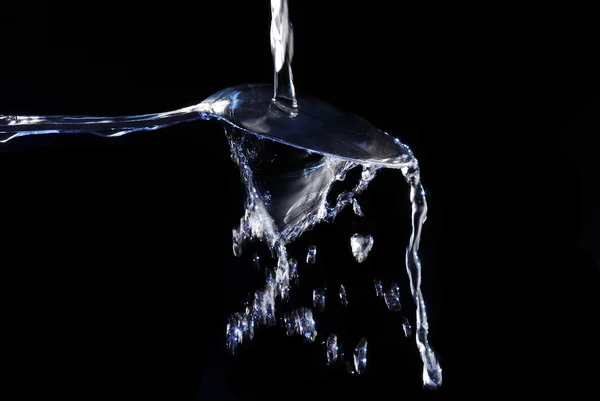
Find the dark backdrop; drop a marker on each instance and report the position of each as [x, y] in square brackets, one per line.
[117, 268]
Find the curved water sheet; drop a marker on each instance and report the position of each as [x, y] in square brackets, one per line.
[281, 205]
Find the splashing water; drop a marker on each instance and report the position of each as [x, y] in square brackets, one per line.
[280, 207]
[300, 321]
[378, 288]
[358, 363]
[343, 295]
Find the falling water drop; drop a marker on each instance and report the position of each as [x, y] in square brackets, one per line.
[350, 368]
[361, 245]
[360, 356]
[356, 208]
[293, 267]
[343, 298]
[237, 250]
[319, 299]
[392, 298]
[378, 288]
[300, 321]
[311, 256]
[406, 327]
[332, 349]
[282, 49]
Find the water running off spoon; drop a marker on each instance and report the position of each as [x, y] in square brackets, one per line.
[253, 112]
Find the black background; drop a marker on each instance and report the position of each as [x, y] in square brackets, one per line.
[117, 271]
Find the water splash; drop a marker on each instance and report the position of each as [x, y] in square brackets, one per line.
[280, 221]
[344, 142]
[239, 327]
[274, 223]
[301, 322]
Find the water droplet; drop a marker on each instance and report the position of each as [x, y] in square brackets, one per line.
[237, 247]
[319, 299]
[356, 208]
[237, 250]
[263, 306]
[311, 191]
[392, 298]
[360, 356]
[239, 326]
[234, 335]
[343, 299]
[311, 256]
[350, 368]
[378, 288]
[293, 266]
[332, 349]
[300, 321]
[406, 327]
[361, 246]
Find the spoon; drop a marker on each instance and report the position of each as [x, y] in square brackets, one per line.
[315, 126]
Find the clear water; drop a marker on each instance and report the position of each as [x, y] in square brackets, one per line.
[311, 256]
[279, 207]
[392, 298]
[319, 299]
[360, 356]
[332, 349]
[378, 288]
[343, 296]
[406, 327]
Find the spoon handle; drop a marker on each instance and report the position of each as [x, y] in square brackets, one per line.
[15, 126]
